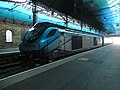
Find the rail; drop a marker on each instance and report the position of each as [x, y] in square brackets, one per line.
[13, 63]
[10, 64]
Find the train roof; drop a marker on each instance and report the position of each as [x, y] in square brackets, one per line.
[49, 24]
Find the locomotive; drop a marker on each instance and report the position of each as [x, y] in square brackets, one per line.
[46, 39]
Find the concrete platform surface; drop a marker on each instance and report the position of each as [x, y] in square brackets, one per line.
[9, 50]
[96, 70]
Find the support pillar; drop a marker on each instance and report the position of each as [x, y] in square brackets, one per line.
[34, 10]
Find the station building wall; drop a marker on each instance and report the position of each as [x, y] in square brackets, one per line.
[17, 35]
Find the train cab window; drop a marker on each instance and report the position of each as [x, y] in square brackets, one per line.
[38, 25]
[8, 36]
[51, 33]
[33, 33]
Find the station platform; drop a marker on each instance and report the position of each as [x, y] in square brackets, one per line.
[9, 51]
[97, 69]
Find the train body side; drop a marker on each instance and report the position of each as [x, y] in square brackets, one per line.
[55, 40]
[74, 42]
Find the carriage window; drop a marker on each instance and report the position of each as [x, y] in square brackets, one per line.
[8, 36]
[51, 33]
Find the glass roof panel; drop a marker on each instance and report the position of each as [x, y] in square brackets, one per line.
[16, 12]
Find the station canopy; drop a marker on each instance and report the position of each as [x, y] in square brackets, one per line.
[106, 11]
[22, 13]
[100, 14]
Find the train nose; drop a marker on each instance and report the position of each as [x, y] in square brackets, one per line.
[25, 47]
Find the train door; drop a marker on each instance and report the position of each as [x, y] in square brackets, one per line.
[95, 41]
[76, 42]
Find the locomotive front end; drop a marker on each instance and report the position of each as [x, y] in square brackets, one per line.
[30, 42]
[27, 44]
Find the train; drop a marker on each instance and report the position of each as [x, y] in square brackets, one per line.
[48, 40]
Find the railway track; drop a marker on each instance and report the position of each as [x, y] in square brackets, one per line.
[11, 64]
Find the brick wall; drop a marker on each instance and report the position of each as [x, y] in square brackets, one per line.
[17, 35]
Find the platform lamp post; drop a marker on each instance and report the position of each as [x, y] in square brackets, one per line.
[34, 10]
